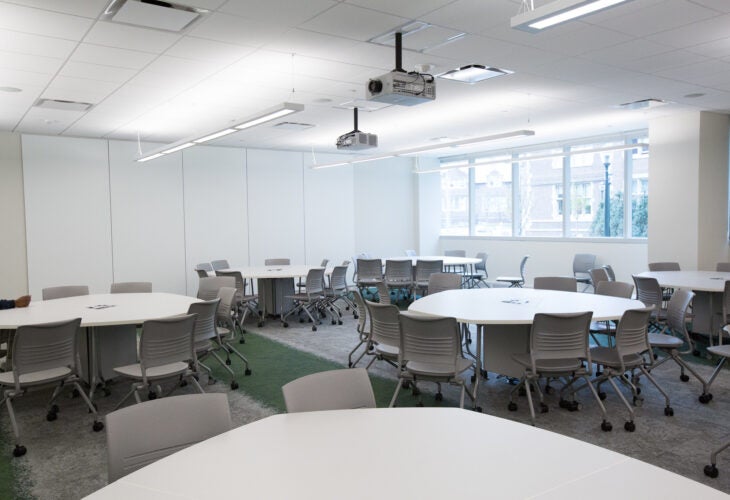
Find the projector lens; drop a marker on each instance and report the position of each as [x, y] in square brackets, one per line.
[375, 86]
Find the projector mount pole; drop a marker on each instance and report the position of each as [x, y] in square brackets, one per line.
[399, 52]
[354, 111]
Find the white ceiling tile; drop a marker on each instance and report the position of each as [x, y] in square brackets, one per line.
[79, 89]
[97, 72]
[718, 5]
[353, 22]
[628, 51]
[283, 12]
[237, 30]
[310, 43]
[473, 16]
[27, 62]
[24, 43]
[130, 37]
[208, 50]
[665, 60]
[716, 49]
[47, 121]
[411, 10]
[110, 56]
[427, 38]
[85, 8]
[697, 33]
[42, 22]
[23, 79]
[584, 39]
[652, 19]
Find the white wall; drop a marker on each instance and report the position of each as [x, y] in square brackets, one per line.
[429, 208]
[13, 264]
[67, 215]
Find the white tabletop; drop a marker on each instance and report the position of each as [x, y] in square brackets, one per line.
[700, 281]
[127, 308]
[448, 261]
[517, 306]
[398, 453]
[274, 272]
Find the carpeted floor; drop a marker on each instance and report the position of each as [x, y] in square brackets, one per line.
[66, 459]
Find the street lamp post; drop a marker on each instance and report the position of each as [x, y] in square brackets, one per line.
[607, 199]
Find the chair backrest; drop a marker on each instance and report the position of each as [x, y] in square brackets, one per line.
[726, 302]
[609, 271]
[143, 433]
[559, 283]
[559, 336]
[362, 312]
[677, 312]
[338, 279]
[455, 253]
[202, 273]
[208, 287]
[399, 270]
[369, 269]
[344, 389]
[427, 339]
[315, 281]
[482, 264]
[438, 282]
[615, 289]
[632, 335]
[61, 292]
[383, 293]
[425, 268]
[649, 292]
[583, 262]
[324, 263]
[723, 267]
[227, 296]
[664, 266]
[204, 266]
[240, 283]
[131, 287]
[205, 322]
[219, 264]
[523, 263]
[384, 327]
[411, 253]
[598, 274]
[277, 262]
[44, 347]
[165, 341]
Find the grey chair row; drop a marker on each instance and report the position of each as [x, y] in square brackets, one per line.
[60, 292]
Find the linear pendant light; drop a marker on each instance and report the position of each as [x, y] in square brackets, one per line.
[423, 149]
[559, 11]
[283, 109]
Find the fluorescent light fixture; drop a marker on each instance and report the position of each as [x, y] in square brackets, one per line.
[423, 149]
[283, 109]
[559, 11]
[473, 73]
[215, 135]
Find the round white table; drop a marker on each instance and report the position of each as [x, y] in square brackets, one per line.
[503, 317]
[398, 453]
[110, 344]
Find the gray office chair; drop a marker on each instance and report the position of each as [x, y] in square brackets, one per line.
[309, 302]
[479, 277]
[131, 287]
[383, 293]
[369, 273]
[631, 353]
[516, 281]
[208, 287]
[277, 262]
[558, 348]
[424, 269]
[650, 293]
[61, 292]
[459, 267]
[226, 321]
[345, 389]
[245, 303]
[384, 339]
[338, 291]
[43, 354]
[582, 264]
[723, 352]
[203, 268]
[610, 289]
[165, 351]
[399, 277]
[142, 434]
[219, 264]
[430, 350]
[609, 271]
[723, 267]
[439, 282]
[598, 274]
[362, 330]
[664, 266]
[558, 283]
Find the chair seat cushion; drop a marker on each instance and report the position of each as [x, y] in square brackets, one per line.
[720, 350]
[438, 369]
[549, 365]
[387, 351]
[162, 371]
[34, 378]
[509, 278]
[608, 356]
[663, 340]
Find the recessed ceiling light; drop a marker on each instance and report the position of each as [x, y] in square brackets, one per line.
[474, 73]
[10, 89]
[694, 95]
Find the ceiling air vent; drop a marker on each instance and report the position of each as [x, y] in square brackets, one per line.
[293, 126]
[63, 105]
[155, 14]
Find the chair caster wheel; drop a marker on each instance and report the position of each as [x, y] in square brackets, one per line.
[242, 340]
[521, 391]
[107, 391]
[705, 398]
[473, 378]
[98, 426]
[75, 393]
[416, 391]
[439, 397]
[601, 395]
[334, 322]
[478, 409]
[247, 372]
[710, 470]
[354, 315]
[183, 383]
[684, 377]
[669, 411]
[696, 353]
[51, 416]
[544, 408]
[285, 325]
[151, 395]
[512, 406]
[261, 324]
[549, 389]
[637, 401]
[234, 385]
[606, 426]
[339, 322]
[55, 409]
[228, 361]
[19, 450]
[630, 426]
[301, 320]
[314, 328]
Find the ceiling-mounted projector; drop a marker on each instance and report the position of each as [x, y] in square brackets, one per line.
[400, 87]
[355, 139]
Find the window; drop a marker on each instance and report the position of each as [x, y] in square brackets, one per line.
[570, 190]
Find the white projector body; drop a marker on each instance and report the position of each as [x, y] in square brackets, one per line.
[357, 140]
[405, 89]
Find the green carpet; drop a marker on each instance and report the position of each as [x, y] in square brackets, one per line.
[274, 364]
